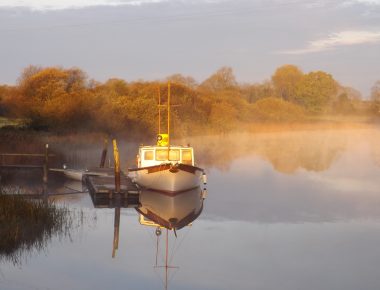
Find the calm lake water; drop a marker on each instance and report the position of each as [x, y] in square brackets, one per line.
[285, 210]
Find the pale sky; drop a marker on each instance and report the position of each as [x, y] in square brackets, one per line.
[151, 39]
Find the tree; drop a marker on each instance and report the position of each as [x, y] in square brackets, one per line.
[76, 80]
[348, 101]
[375, 98]
[285, 81]
[3, 95]
[27, 73]
[315, 91]
[223, 79]
[53, 97]
[276, 110]
[255, 92]
[183, 80]
[223, 117]
[117, 86]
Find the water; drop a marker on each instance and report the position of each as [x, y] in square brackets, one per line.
[285, 210]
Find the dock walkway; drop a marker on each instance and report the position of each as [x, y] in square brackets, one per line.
[103, 193]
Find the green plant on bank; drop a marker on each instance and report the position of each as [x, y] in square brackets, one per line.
[27, 225]
[12, 122]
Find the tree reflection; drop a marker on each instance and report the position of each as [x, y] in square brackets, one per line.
[375, 147]
[312, 152]
[287, 152]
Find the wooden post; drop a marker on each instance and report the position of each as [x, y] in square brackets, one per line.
[104, 153]
[46, 164]
[117, 166]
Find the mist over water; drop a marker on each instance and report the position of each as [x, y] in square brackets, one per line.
[285, 210]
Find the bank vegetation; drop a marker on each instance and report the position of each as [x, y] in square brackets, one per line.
[59, 99]
[28, 225]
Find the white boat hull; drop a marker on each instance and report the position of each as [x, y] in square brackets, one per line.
[77, 174]
[74, 174]
[168, 180]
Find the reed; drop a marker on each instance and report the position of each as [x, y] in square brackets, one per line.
[27, 225]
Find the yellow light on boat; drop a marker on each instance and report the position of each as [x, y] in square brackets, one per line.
[162, 139]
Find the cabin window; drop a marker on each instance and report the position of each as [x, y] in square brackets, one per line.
[174, 155]
[187, 156]
[148, 155]
[162, 155]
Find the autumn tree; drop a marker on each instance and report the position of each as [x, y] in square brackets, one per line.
[375, 97]
[285, 81]
[255, 92]
[53, 97]
[277, 110]
[117, 87]
[58, 98]
[223, 79]
[187, 81]
[4, 91]
[347, 101]
[223, 117]
[315, 91]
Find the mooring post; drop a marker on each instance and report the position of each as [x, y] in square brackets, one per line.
[46, 164]
[117, 166]
[104, 153]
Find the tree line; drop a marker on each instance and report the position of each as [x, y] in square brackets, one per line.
[55, 98]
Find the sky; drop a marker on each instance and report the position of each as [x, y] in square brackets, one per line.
[152, 39]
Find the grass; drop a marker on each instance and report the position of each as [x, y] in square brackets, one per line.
[11, 122]
[27, 225]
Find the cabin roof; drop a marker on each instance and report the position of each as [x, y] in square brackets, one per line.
[165, 147]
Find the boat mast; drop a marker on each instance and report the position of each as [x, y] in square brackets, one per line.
[159, 110]
[168, 118]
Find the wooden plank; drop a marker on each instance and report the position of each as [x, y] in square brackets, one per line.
[21, 166]
[26, 154]
[103, 195]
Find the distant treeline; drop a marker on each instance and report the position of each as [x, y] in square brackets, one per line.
[55, 98]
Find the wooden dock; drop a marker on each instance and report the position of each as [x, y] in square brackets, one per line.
[103, 191]
[108, 187]
[44, 166]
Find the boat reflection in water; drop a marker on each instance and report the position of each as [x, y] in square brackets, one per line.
[172, 212]
[159, 210]
[168, 211]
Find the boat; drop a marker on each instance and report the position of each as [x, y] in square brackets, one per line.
[165, 167]
[77, 174]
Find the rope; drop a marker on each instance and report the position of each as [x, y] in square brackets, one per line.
[179, 244]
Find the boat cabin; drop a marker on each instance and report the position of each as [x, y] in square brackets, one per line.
[156, 155]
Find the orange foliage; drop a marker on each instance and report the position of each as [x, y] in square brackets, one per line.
[63, 99]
